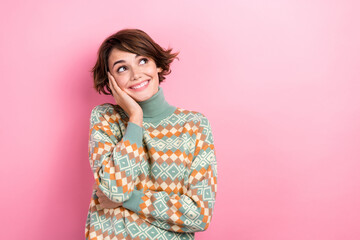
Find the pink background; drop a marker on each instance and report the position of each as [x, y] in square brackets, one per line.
[278, 80]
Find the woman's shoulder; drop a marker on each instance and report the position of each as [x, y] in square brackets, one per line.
[191, 115]
[109, 111]
[105, 107]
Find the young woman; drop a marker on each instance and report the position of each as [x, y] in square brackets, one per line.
[154, 164]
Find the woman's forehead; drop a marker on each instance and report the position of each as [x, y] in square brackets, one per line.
[120, 53]
[123, 56]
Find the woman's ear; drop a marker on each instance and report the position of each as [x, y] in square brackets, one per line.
[159, 69]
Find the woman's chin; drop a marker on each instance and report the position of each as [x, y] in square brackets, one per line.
[144, 95]
[141, 99]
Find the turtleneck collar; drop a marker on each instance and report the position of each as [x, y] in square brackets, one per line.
[156, 107]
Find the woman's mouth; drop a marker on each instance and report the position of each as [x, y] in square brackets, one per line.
[140, 86]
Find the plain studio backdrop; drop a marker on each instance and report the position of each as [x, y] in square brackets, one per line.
[278, 80]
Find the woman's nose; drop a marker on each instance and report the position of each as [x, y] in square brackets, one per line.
[136, 73]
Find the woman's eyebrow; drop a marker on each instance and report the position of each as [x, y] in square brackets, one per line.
[122, 61]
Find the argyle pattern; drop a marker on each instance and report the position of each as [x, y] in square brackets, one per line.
[165, 175]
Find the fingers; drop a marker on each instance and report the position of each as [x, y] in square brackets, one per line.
[110, 77]
[103, 200]
[98, 191]
[114, 85]
[101, 196]
[96, 188]
[106, 203]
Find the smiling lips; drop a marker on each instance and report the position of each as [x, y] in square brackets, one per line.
[140, 86]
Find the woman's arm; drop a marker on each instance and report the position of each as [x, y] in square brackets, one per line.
[192, 211]
[115, 162]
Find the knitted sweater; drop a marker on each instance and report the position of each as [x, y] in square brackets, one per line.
[163, 173]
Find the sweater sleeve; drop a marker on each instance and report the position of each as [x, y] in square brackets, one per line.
[114, 160]
[193, 210]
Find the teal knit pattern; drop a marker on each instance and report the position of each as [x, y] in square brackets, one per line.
[164, 173]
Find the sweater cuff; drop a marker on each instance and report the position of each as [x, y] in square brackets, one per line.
[133, 203]
[134, 133]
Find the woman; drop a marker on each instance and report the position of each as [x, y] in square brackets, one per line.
[154, 164]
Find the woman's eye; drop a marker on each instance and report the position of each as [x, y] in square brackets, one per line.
[143, 60]
[121, 69]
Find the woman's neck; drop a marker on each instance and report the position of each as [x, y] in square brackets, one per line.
[156, 107]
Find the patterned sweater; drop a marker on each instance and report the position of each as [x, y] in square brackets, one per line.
[164, 173]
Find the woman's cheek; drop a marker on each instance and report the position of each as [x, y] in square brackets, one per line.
[121, 83]
[151, 71]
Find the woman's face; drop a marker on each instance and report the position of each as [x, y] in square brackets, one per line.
[136, 75]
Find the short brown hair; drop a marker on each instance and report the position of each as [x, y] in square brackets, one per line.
[134, 41]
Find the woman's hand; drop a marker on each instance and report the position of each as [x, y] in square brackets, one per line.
[131, 107]
[104, 201]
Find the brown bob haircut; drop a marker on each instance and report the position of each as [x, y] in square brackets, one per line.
[133, 41]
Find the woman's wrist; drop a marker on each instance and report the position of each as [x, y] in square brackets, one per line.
[137, 120]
